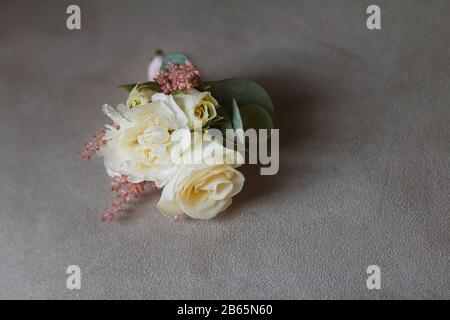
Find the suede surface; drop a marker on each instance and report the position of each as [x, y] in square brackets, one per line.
[364, 152]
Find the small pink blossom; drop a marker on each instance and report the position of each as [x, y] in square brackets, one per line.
[126, 192]
[178, 77]
[95, 143]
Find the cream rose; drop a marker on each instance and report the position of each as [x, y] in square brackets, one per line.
[151, 138]
[206, 189]
[201, 191]
[198, 106]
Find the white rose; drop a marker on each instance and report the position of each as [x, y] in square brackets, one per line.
[151, 138]
[203, 190]
[198, 106]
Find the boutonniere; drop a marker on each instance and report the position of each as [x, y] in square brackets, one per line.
[180, 135]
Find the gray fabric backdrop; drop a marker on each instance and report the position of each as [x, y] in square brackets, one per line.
[364, 125]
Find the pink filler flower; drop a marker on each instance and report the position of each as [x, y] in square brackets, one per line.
[178, 77]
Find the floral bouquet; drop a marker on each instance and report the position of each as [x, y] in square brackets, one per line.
[169, 136]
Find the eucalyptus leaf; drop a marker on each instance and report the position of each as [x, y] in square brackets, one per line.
[245, 92]
[145, 85]
[224, 122]
[237, 122]
[175, 57]
[127, 87]
[256, 117]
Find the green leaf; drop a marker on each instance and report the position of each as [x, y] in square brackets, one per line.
[175, 57]
[224, 122]
[237, 122]
[245, 92]
[145, 85]
[127, 87]
[256, 117]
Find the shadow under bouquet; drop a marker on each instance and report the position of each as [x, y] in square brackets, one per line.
[181, 135]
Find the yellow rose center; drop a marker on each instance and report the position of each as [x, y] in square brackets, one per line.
[199, 111]
[136, 102]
